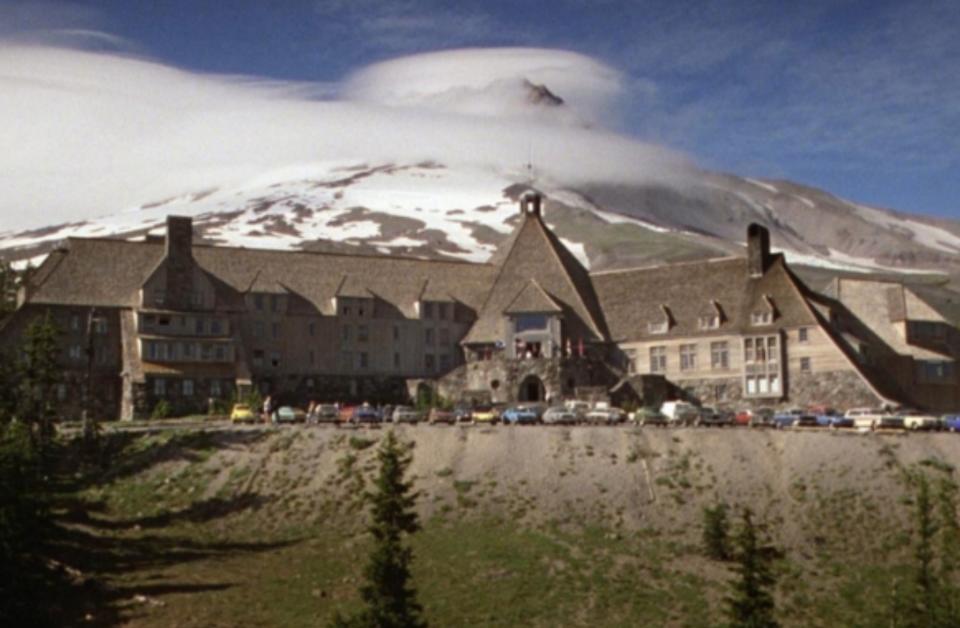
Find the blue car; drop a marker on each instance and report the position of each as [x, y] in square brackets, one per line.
[782, 420]
[951, 422]
[833, 421]
[521, 415]
[365, 414]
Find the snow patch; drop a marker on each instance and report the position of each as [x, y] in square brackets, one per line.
[761, 184]
[921, 233]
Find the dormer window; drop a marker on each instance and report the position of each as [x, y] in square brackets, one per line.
[761, 318]
[764, 312]
[710, 322]
[659, 327]
[662, 325]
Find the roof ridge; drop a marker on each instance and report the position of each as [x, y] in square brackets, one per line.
[221, 247]
[709, 260]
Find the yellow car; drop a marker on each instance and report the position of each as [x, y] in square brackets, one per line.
[242, 414]
[485, 414]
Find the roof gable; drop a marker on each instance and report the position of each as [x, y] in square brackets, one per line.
[532, 300]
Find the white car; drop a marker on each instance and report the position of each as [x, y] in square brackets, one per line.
[560, 415]
[680, 412]
[873, 419]
[916, 420]
[606, 416]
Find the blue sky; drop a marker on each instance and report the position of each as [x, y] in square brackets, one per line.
[861, 98]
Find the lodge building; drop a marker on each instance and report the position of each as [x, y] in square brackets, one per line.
[168, 319]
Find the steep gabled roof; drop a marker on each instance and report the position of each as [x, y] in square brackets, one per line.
[532, 300]
[534, 253]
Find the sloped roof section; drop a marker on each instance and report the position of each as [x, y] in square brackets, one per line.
[109, 273]
[533, 300]
[534, 253]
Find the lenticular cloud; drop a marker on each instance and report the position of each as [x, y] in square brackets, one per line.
[87, 134]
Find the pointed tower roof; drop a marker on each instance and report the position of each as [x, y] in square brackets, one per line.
[534, 253]
[532, 299]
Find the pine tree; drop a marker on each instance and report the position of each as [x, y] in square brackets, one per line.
[39, 373]
[751, 603]
[389, 598]
[924, 577]
[716, 532]
[948, 613]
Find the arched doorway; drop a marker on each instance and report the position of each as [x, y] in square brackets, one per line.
[531, 389]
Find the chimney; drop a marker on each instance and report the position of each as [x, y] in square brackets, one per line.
[530, 203]
[179, 261]
[758, 249]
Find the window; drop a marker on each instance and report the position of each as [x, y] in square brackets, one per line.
[159, 387]
[531, 322]
[347, 310]
[804, 365]
[274, 303]
[216, 327]
[75, 322]
[428, 336]
[442, 311]
[206, 352]
[396, 360]
[658, 359]
[186, 349]
[187, 388]
[429, 362]
[150, 348]
[258, 357]
[444, 336]
[181, 321]
[61, 392]
[75, 352]
[200, 327]
[275, 359]
[364, 360]
[346, 361]
[444, 362]
[427, 309]
[773, 351]
[711, 321]
[719, 356]
[751, 385]
[935, 371]
[761, 318]
[221, 353]
[312, 328]
[258, 301]
[312, 357]
[101, 356]
[396, 333]
[659, 327]
[159, 297]
[630, 360]
[363, 333]
[345, 334]
[196, 298]
[802, 335]
[360, 311]
[215, 390]
[100, 325]
[258, 329]
[688, 357]
[163, 321]
[275, 330]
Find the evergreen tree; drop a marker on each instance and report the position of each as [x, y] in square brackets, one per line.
[716, 532]
[9, 282]
[924, 577]
[948, 612]
[751, 603]
[39, 373]
[389, 598]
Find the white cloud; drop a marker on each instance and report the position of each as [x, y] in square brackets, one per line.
[90, 133]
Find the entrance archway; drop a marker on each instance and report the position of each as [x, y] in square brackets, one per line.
[531, 389]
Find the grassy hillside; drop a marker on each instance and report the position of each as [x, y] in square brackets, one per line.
[522, 526]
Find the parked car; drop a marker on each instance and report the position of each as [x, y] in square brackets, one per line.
[680, 412]
[560, 415]
[916, 420]
[649, 416]
[324, 413]
[521, 415]
[873, 419]
[805, 420]
[242, 413]
[365, 414]
[346, 414]
[406, 414]
[951, 422]
[463, 413]
[757, 417]
[834, 421]
[711, 417]
[287, 414]
[485, 413]
[439, 415]
[606, 416]
[786, 418]
[579, 407]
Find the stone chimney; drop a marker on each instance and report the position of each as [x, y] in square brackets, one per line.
[530, 203]
[758, 249]
[178, 261]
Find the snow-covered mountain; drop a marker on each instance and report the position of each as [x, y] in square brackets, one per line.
[423, 155]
